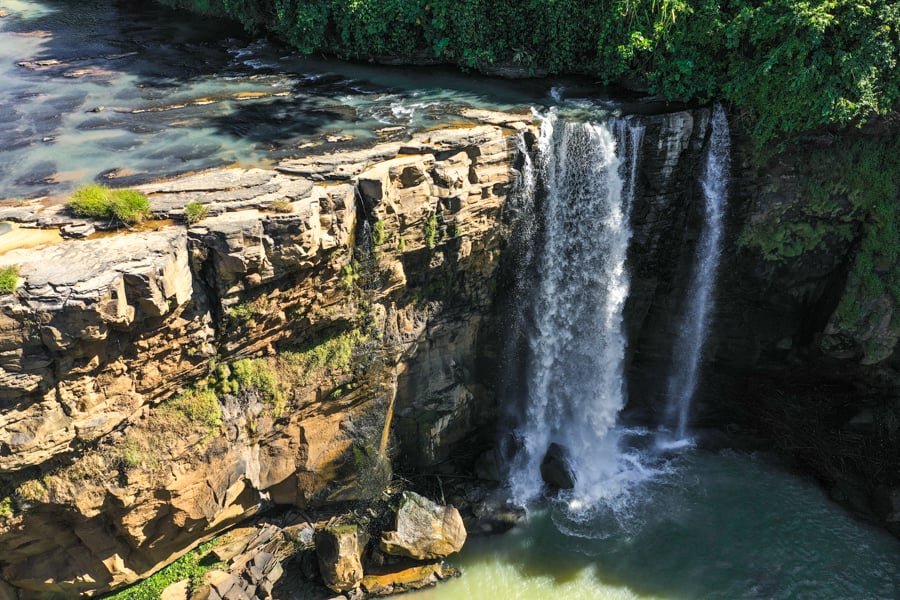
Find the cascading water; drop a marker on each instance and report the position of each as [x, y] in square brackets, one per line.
[688, 349]
[575, 341]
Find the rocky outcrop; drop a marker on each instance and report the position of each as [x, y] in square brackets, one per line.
[160, 386]
[339, 549]
[424, 530]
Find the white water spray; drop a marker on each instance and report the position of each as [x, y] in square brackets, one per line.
[688, 348]
[575, 341]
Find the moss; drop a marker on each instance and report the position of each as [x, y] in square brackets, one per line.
[349, 276]
[100, 202]
[9, 279]
[198, 406]
[192, 566]
[333, 355]
[253, 374]
[380, 234]
[248, 312]
[194, 212]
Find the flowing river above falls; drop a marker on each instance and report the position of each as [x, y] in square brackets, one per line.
[125, 93]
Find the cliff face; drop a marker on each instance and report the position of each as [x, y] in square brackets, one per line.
[160, 386]
[336, 317]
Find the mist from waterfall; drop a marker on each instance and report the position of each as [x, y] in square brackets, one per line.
[574, 299]
[688, 348]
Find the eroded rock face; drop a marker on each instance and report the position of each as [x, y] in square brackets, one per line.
[111, 476]
[425, 530]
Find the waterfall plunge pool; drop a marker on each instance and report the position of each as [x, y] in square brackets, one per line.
[716, 525]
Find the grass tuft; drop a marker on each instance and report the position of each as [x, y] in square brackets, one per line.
[194, 212]
[100, 202]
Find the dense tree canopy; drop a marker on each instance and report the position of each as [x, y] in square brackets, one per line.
[791, 65]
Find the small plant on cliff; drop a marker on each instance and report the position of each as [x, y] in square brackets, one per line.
[379, 233]
[431, 230]
[194, 212]
[9, 279]
[6, 508]
[349, 276]
[100, 202]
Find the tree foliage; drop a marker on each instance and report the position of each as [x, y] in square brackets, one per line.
[791, 65]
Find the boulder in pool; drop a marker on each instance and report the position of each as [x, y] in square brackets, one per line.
[556, 468]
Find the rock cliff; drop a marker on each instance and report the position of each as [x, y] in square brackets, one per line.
[160, 386]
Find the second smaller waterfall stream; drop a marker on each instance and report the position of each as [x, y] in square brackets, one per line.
[688, 349]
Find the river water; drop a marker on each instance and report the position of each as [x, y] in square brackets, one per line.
[131, 91]
[127, 92]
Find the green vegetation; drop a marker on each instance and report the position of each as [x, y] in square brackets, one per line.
[349, 276]
[250, 374]
[194, 212]
[6, 508]
[847, 192]
[791, 65]
[248, 312]
[431, 230]
[192, 566]
[380, 234]
[198, 406]
[332, 354]
[9, 279]
[100, 202]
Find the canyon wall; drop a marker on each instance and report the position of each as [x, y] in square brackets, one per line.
[342, 316]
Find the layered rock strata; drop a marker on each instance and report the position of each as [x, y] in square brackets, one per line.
[159, 386]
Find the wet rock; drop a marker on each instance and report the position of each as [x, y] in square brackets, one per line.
[339, 549]
[556, 468]
[77, 230]
[425, 530]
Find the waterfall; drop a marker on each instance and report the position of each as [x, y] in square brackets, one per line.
[688, 349]
[573, 331]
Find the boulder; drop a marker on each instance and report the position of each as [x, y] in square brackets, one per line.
[339, 549]
[425, 530]
[556, 468]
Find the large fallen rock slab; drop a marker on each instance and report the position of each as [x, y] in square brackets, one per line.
[425, 530]
[339, 549]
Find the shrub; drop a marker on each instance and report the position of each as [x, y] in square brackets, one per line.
[99, 202]
[9, 279]
[195, 212]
